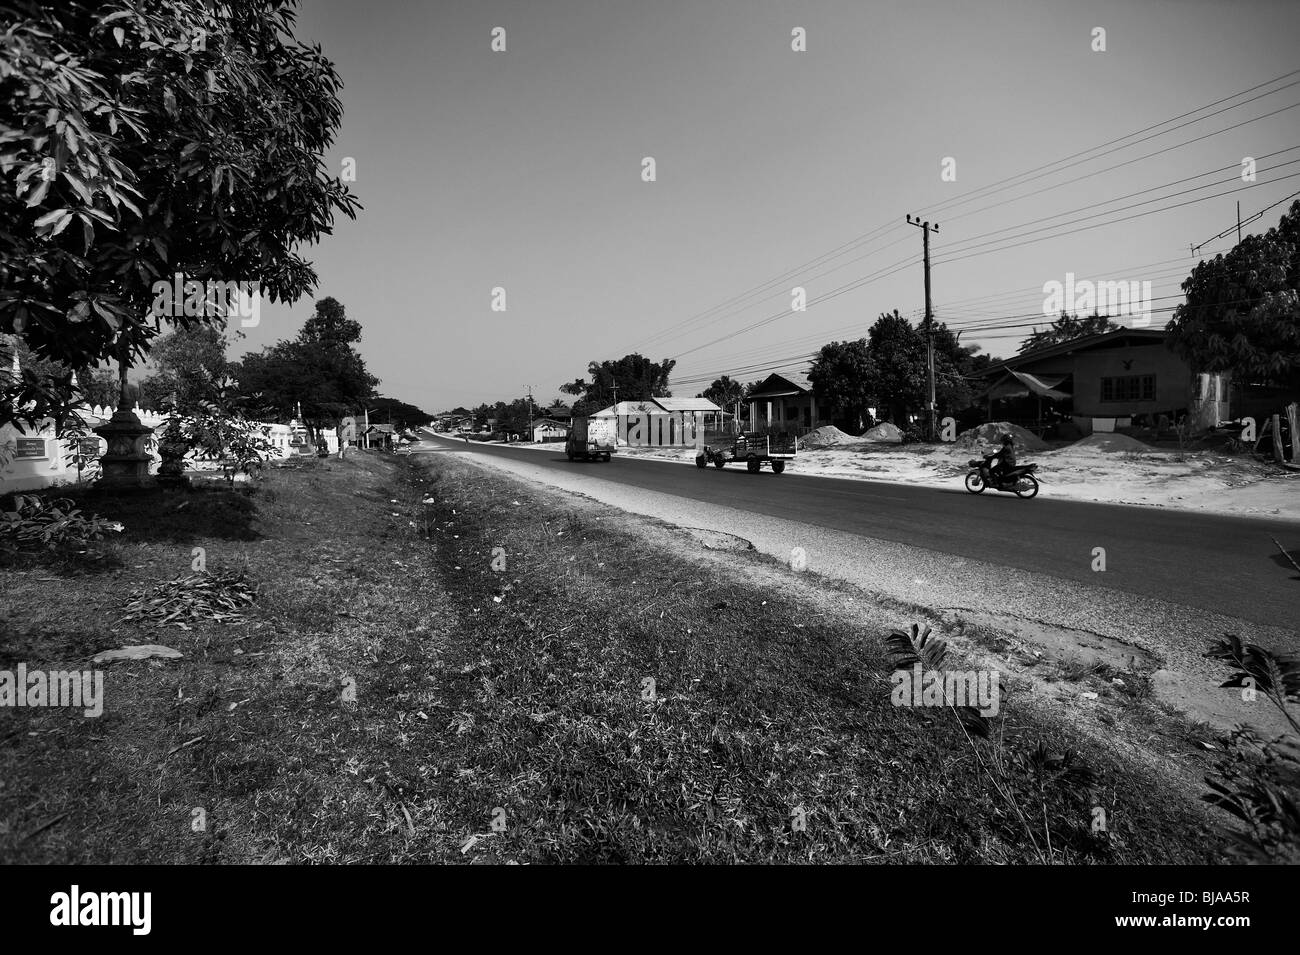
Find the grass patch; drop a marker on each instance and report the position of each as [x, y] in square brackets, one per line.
[447, 666]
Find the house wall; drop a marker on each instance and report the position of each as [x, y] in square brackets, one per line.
[1173, 380]
[681, 430]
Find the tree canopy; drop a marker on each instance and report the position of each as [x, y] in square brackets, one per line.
[142, 140]
[724, 392]
[320, 369]
[842, 375]
[1067, 328]
[396, 412]
[632, 377]
[1242, 313]
[188, 362]
[888, 370]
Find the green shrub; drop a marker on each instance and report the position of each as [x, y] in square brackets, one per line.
[34, 524]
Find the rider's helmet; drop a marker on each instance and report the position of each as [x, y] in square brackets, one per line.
[1008, 439]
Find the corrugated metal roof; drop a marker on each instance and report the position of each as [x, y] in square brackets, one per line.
[656, 406]
[774, 388]
[686, 404]
[625, 408]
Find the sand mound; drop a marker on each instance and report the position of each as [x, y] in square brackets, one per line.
[1112, 442]
[885, 433]
[991, 435]
[827, 436]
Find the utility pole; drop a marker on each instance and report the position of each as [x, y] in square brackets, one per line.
[1238, 222]
[930, 415]
[530, 414]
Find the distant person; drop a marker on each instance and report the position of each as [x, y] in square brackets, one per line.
[1005, 458]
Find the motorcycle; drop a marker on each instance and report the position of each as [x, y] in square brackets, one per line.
[1019, 481]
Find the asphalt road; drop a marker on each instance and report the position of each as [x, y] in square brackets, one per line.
[1225, 564]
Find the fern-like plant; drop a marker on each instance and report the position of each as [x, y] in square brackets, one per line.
[920, 646]
[1258, 782]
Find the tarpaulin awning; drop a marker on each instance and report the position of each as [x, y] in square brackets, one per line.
[1022, 383]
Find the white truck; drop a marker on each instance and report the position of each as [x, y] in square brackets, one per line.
[592, 439]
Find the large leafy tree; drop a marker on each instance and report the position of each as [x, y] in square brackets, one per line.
[142, 139]
[724, 392]
[320, 370]
[102, 387]
[189, 361]
[842, 374]
[899, 379]
[632, 377]
[1067, 328]
[396, 412]
[512, 416]
[899, 363]
[953, 362]
[1242, 313]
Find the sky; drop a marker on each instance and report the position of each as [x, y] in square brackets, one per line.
[523, 170]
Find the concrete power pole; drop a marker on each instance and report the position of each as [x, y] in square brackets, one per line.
[930, 414]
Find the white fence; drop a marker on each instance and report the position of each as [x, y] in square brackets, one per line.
[41, 458]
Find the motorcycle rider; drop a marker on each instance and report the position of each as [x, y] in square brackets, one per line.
[1005, 460]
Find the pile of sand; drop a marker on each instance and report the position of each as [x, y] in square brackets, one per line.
[827, 436]
[991, 435]
[1112, 442]
[885, 433]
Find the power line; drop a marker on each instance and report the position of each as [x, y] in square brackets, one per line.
[970, 253]
[960, 200]
[1001, 186]
[1242, 222]
[1097, 225]
[889, 270]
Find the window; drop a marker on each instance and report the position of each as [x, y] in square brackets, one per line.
[1129, 388]
[29, 448]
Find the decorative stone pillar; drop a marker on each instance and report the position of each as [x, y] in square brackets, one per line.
[125, 464]
[172, 448]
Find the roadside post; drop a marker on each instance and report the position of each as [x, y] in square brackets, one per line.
[347, 433]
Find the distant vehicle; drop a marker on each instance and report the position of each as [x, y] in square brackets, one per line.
[592, 439]
[755, 448]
